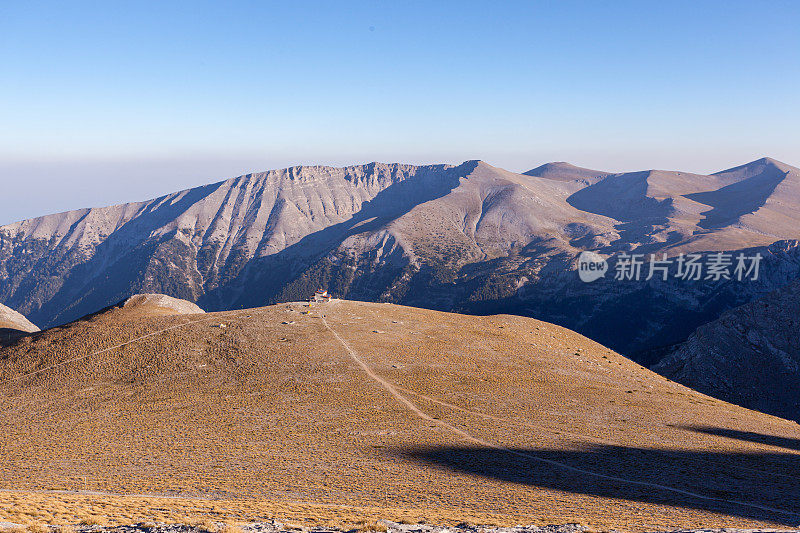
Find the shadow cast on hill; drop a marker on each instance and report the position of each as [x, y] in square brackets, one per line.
[624, 198]
[760, 438]
[9, 336]
[730, 203]
[759, 486]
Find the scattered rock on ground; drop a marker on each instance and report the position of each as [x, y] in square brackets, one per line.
[392, 527]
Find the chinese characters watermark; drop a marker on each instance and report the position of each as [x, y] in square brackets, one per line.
[716, 266]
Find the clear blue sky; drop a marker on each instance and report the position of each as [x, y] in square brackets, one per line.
[105, 102]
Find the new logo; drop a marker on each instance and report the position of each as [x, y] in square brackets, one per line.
[591, 266]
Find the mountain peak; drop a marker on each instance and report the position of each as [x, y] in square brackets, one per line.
[785, 167]
[769, 161]
[760, 164]
[561, 170]
[472, 165]
[555, 165]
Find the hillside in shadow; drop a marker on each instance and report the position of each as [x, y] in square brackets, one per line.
[761, 486]
[749, 436]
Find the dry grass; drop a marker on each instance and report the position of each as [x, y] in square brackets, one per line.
[234, 425]
[213, 515]
[205, 525]
[93, 521]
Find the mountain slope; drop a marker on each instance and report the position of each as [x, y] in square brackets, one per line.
[194, 241]
[215, 243]
[471, 237]
[10, 319]
[384, 406]
[762, 196]
[749, 356]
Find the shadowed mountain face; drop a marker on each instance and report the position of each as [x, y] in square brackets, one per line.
[754, 187]
[471, 237]
[749, 436]
[749, 356]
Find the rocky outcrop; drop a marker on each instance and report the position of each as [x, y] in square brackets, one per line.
[13, 325]
[390, 527]
[750, 356]
[160, 304]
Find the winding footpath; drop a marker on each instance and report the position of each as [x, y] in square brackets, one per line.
[395, 392]
[105, 350]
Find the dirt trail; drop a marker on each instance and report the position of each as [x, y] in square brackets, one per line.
[106, 350]
[580, 436]
[393, 390]
[397, 393]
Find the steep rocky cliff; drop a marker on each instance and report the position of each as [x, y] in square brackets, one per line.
[749, 356]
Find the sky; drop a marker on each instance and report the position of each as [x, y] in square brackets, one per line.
[111, 102]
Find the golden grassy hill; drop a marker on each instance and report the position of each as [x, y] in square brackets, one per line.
[353, 410]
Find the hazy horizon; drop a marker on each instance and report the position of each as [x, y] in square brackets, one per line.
[104, 104]
[82, 184]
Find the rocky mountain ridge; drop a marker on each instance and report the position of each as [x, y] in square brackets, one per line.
[470, 237]
[749, 356]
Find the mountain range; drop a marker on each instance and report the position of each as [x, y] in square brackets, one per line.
[471, 238]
